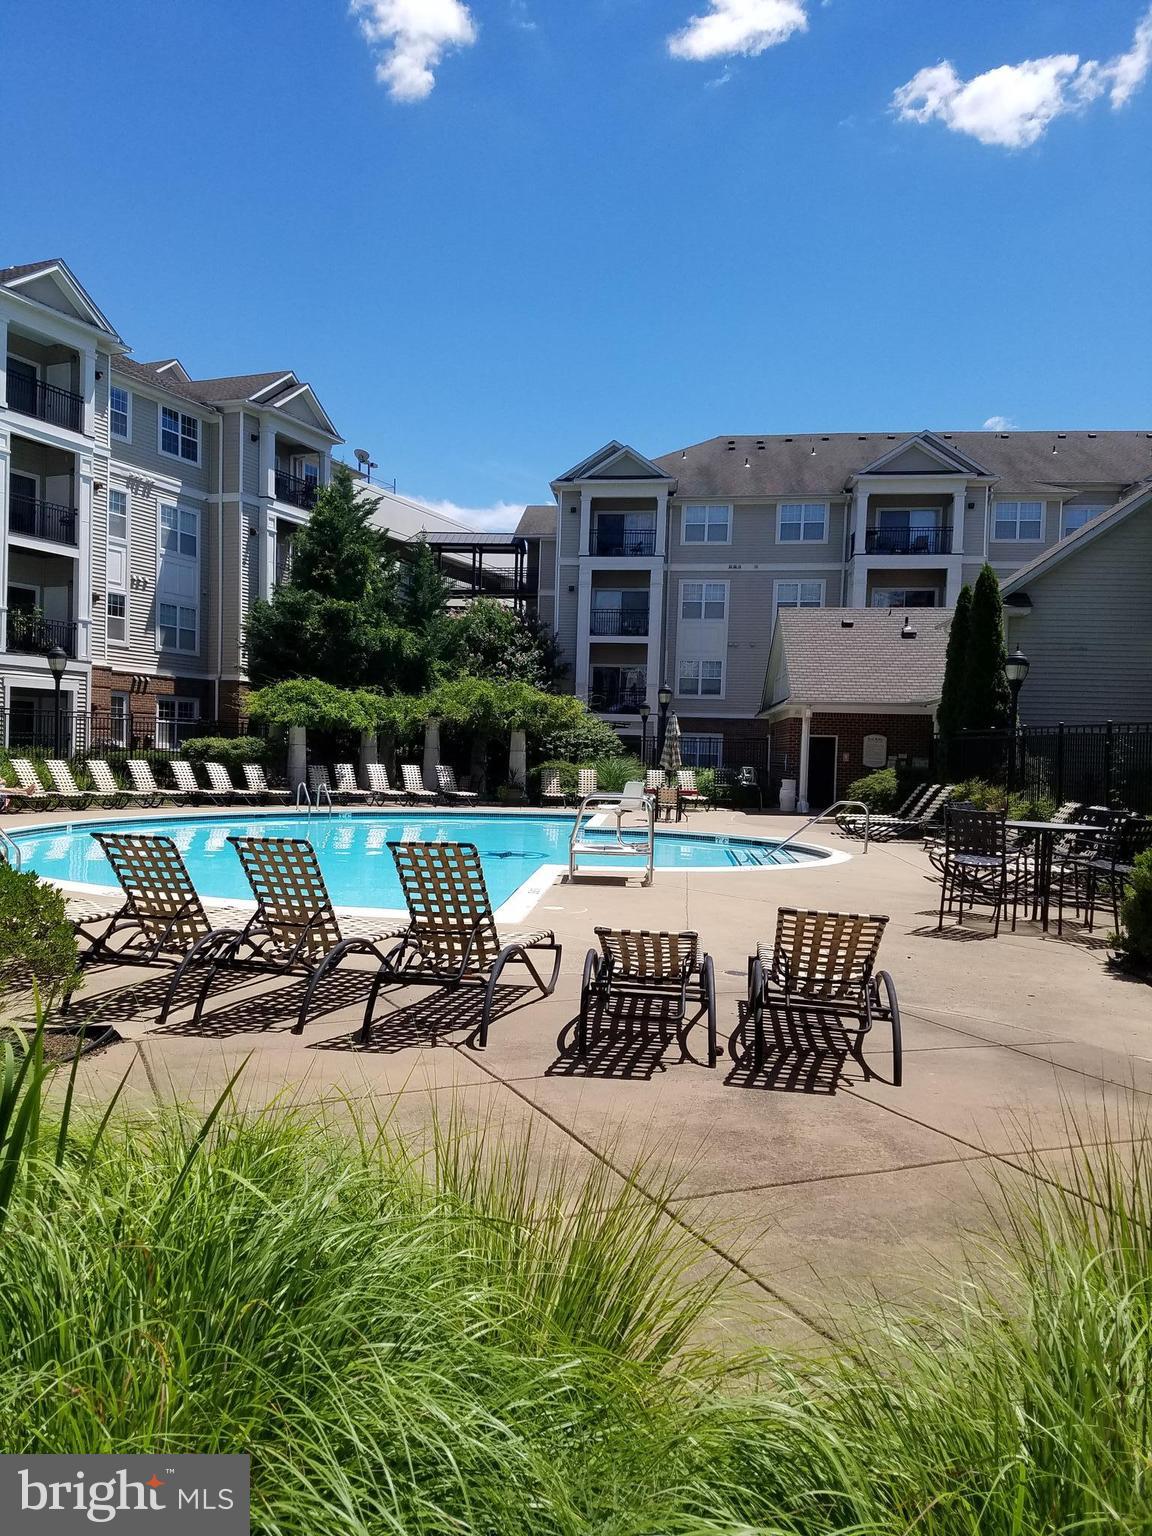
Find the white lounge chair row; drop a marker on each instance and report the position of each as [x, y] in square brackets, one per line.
[552, 792]
[143, 789]
[342, 785]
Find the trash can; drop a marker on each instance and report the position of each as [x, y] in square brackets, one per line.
[788, 796]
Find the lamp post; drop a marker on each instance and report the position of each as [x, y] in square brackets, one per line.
[1015, 670]
[57, 661]
[645, 711]
[664, 699]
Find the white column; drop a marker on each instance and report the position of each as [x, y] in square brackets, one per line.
[959, 505]
[860, 520]
[858, 585]
[583, 626]
[82, 585]
[3, 360]
[4, 461]
[269, 572]
[267, 458]
[952, 583]
[368, 753]
[655, 675]
[88, 390]
[431, 754]
[518, 761]
[297, 757]
[585, 521]
[802, 778]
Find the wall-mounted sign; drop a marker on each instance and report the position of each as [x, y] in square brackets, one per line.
[875, 751]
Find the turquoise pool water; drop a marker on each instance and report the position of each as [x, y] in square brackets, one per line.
[353, 849]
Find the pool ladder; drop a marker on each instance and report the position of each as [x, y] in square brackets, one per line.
[10, 851]
[304, 794]
[838, 805]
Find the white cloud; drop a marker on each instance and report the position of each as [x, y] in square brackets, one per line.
[738, 26]
[408, 38]
[1000, 424]
[1013, 104]
[500, 517]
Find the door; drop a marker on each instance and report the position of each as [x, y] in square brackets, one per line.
[821, 771]
[25, 491]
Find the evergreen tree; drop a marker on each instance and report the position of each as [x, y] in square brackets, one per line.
[424, 605]
[335, 618]
[950, 710]
[987, 700]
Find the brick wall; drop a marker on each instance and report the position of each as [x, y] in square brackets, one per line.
[144, 689]
[908, 736]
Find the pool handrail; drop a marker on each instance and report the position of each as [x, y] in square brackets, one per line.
[618, 804]
[837, 805]
[10, 851]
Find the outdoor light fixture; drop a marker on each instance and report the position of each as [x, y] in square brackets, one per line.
[57, 659]
[664, 696]
[1016, 669]
[644, 711]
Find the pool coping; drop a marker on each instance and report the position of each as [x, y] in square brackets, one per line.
[514, 909]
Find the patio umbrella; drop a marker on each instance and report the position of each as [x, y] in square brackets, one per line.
[670, 759]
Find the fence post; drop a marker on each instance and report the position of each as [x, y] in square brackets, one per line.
[1108, 762]
[1060, 762]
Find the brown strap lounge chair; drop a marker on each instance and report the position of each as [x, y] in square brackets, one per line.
[446, 778]
[379, 789]
[452, 936]
[257, 781]
[639, 963]
[825, 961]
[162, 922]
[414, 784]
[294, 930]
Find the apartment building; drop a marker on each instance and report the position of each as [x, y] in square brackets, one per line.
[142, 510]
[672, 570]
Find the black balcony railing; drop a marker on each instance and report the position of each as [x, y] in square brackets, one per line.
[619, 621]
[614, 541]
[47, 402]
[908, 541]
[297, 490]
[42, 520]
[33, 635]
[616, 701]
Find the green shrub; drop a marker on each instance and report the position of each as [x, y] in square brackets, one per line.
[995, 797]
[1135, 938]
[232, 751]
[585, 740]
[36, 937]
[612, 773]
[879, 791]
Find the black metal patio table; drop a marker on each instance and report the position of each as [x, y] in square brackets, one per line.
[1046, 833]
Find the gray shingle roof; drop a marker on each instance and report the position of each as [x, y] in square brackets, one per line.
[786, 464]
[9, 274]
[866, 663]
[538, 522]
[239, 386]
[146, 373]
[1140, 499]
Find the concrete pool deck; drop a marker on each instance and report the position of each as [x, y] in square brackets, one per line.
[807, 1182]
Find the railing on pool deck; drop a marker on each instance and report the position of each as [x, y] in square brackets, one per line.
[10, 851]
[633, 799]
[322, 792]
[837, 805]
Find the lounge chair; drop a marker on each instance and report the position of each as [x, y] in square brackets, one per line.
[585, 783]
[379, 789]
[319, 784]
[825, 961]
[414, 784]
[294, 930]
[220, 783]
[446, 778]
[188, 784]
[653, 780]
[257, 781]
[145, 785]
[851, 823]
[926, 814]
[452, 936]
[31, 791]
[162, 922]
[106, 786]
[347, 786]
[639, 963]
[551, 790]
[686, 783]
[66, 786]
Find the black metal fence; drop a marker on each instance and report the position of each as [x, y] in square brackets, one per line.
[1109, 764]
[103, 735]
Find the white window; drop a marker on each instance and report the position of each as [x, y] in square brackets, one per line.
[179, 435]
[702, 751]
[117, 609]
[703, 599]
[799, 594]
[176, 720]
[905, 597]
[802, 522]
[118, 706]
[706, 524]
[1019, 520]
[701, 679]
[119, 412]
[118, 516]
[1076, 517]
[178, 579]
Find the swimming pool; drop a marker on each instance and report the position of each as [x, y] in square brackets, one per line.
[519, 852]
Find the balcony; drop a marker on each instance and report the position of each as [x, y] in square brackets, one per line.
[618, 620]
[908, 541]
[31, 634]
[47, 402]
[42, 520]
[296, 490]
[623, 542]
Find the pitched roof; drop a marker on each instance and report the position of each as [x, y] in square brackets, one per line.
[538, 522]
[15, 276]
[239, 386]
[1101, 523]
[7, 274]
[596, 465]
[820, 464]
[823, 656]
[148, 373]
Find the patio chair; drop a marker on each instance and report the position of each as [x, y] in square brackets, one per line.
[347, 786]
[748, 779]
[925, 815]
[446, 778]
[294, 930]
[1109, 871]
[851, 823]
[162, 922]
[106, 786]
[978, 865]
[826, 961]
[653, 780]
[319, 784]
[379, 789]
[551, 791]
[187, 783]
[1075, 855]
[640, 963]
[257, 782]
[414, 784]
[452, 938]
[686, 783]
[585, 783]
[66, 786]
[220, 783]
[145, 785]
[30, 790]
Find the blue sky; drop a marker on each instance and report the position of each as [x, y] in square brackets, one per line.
[493, 235]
